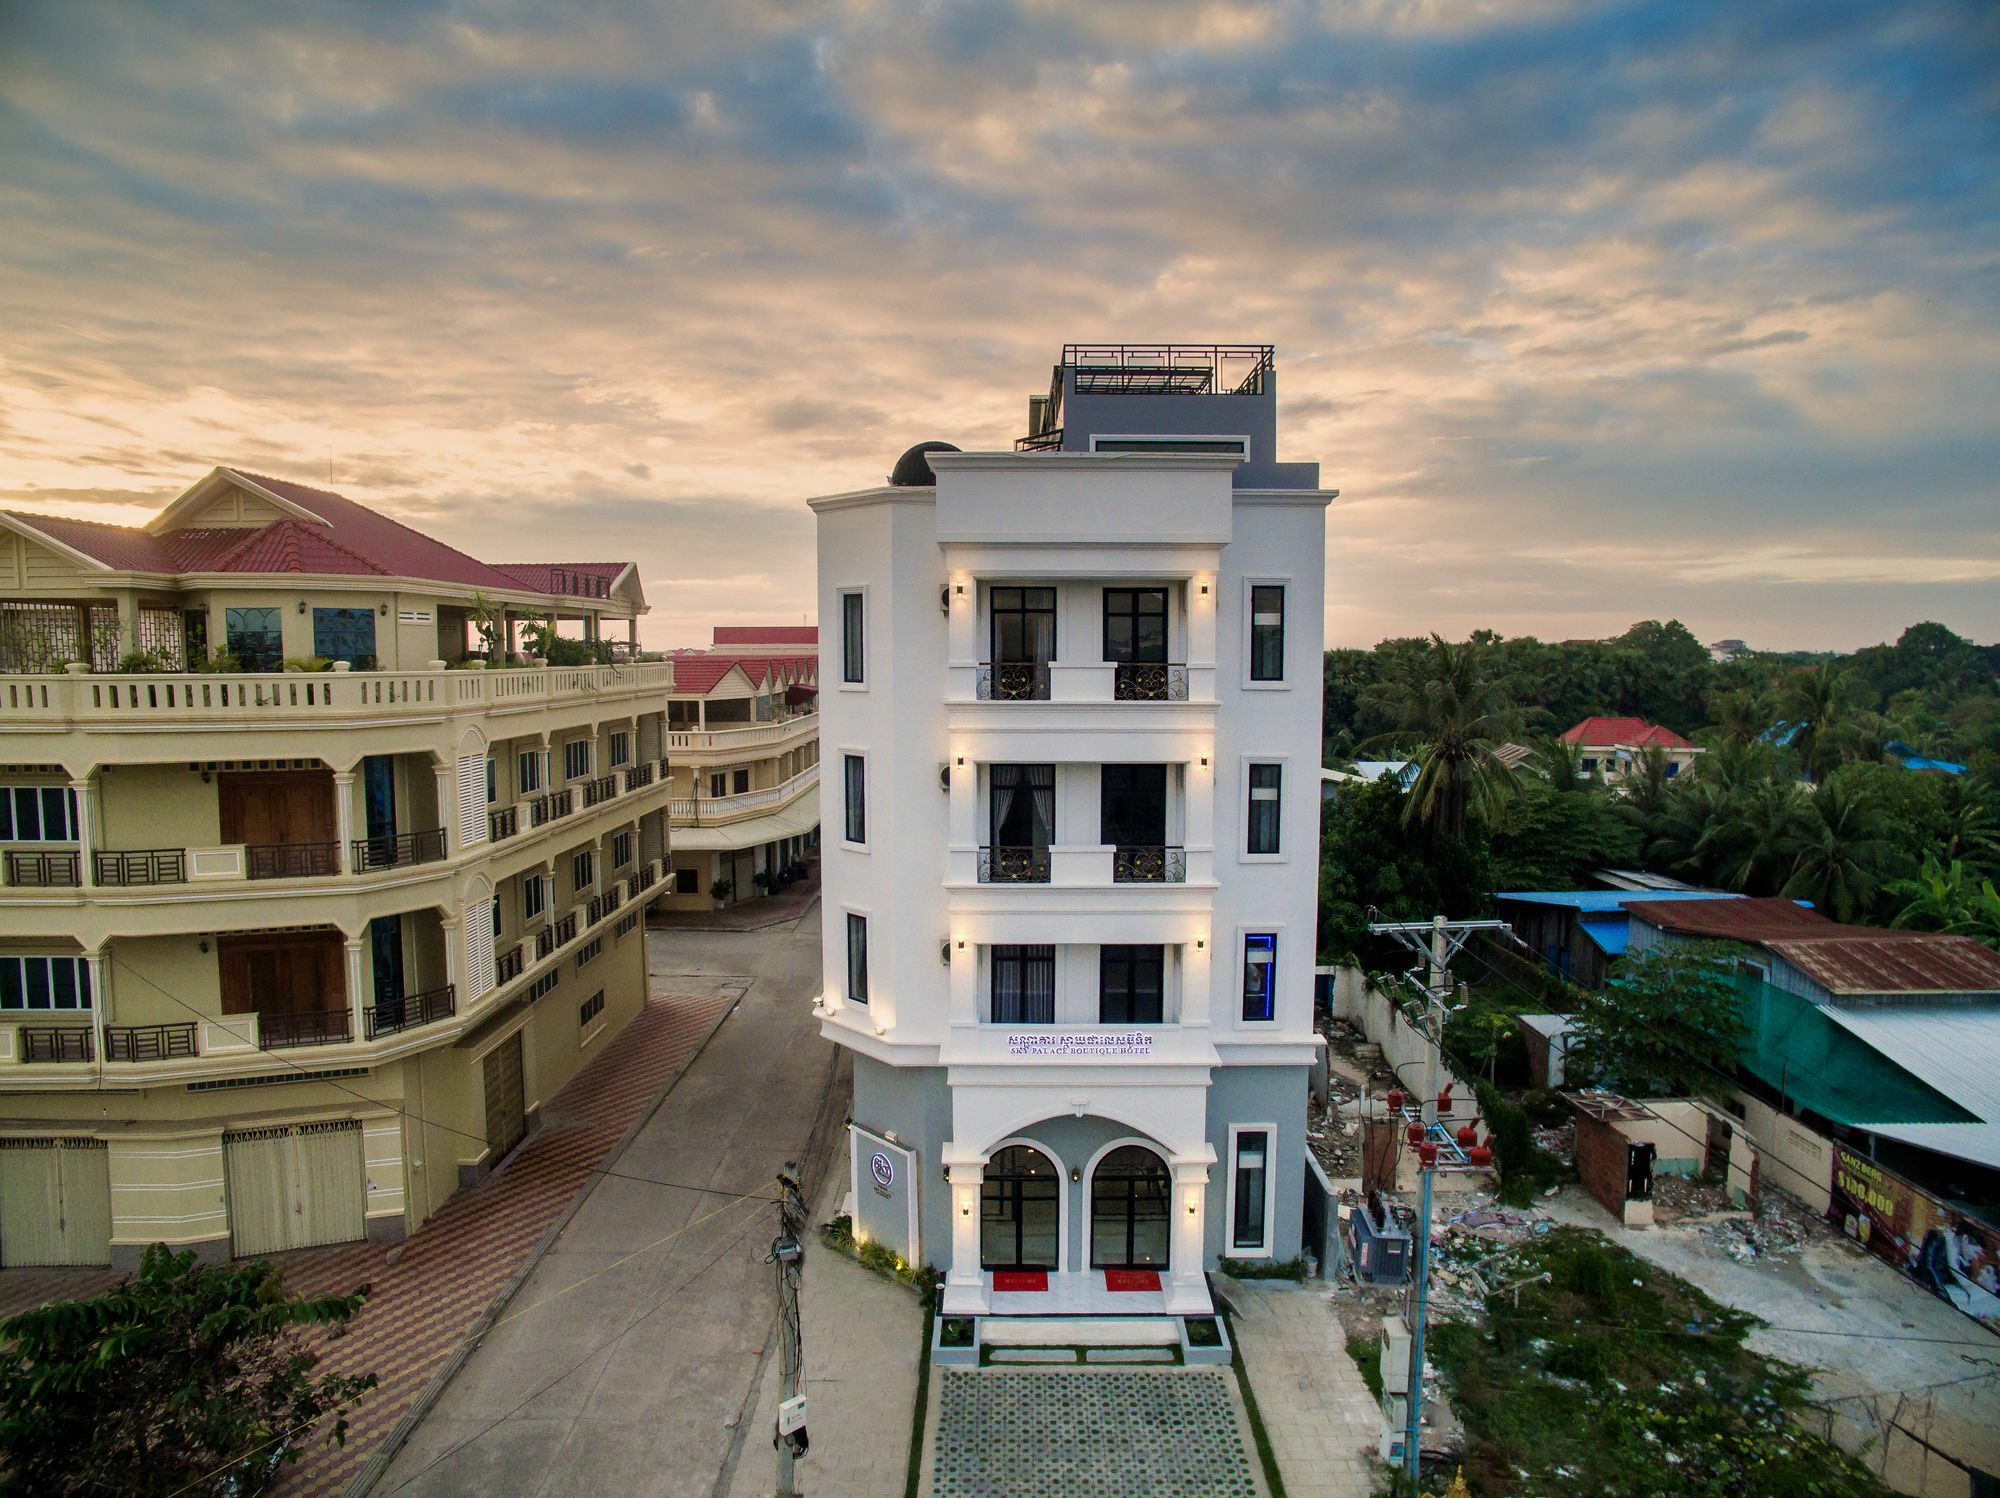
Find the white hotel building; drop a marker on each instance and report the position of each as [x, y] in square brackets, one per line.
[1071, 725]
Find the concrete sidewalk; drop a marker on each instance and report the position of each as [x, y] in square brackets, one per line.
[1322, 1421]
[862, 1336]
[624, 1361]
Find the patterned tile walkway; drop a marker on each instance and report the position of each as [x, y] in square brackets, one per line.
[447, 1274]
[1059, 1434]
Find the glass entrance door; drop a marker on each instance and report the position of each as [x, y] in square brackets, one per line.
[1128, 1210]
[1020, 1211]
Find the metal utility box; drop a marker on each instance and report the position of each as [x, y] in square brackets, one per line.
[1395, 1361]
[1380, 1253]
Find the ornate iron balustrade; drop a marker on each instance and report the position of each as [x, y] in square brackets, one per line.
[566, 930]
[140, 866]
[1003, 865]
[398, 851]
[313, 1027]
[1150, 681]
[1014, 681]
[601, 789]
[54, 1043]
[44, 870]
[639, 775]
[549, 808]
[545, 941]
[602, 905]
[507, 966]
[1144, 864]
[150, 1042]
[291, 860]
[648, 873]
[393, 1016]
[503, 823]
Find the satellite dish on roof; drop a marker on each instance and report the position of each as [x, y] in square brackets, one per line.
[913, 469]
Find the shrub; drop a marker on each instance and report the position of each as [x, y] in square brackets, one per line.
[182, 1378]
[307, 663]
[142, 663]
[1263, 1269]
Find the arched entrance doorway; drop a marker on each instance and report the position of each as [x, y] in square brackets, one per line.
[1020, 1210]
[1129, 1225]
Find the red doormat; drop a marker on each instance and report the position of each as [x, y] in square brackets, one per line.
[1131, 1279]
[1020, 1279]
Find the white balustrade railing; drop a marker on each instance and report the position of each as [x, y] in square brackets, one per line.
[701, 811]
[748, 736]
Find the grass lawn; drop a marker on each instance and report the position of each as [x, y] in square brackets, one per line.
[1619, 1379]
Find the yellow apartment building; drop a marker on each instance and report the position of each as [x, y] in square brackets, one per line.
[743, 734]
[314, 885]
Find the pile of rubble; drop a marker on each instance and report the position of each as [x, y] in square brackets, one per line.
[1333, 1134]
[1677, 1197]
[1559, 1141]
[1778, 1226]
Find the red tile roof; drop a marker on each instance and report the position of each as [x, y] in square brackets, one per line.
[353, 540]
[1624, 733]
[701, 671]
[766, 634]
[587, 579]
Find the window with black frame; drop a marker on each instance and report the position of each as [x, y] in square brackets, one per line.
[855, 783]
[857, 958]
[1135, 624]
[1023, 824]
[853, 656]
[1247, 1231]
[1131, 985]
[1023, 642]
[1267, 632]
[1262, 818]
[256, 637]
[345, 635]
[1024, 985]
[1260, 976]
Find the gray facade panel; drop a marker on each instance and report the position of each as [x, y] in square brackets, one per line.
[913, 1103]
[1259, 1095]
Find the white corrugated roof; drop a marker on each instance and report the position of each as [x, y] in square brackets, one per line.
[1953, 1047]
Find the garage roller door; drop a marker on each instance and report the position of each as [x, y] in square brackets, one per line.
[55, 1202]
[506, 1114]
[297, 1186]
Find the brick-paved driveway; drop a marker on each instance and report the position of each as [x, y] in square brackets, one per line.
[447, 1274]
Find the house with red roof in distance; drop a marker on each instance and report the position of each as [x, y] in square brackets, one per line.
[1613, 747]
[743, 740]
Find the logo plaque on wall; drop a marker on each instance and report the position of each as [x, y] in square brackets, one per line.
[883, 1171]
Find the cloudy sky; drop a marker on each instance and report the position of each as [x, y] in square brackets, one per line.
[1593, 312]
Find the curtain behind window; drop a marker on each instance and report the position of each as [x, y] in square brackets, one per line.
[1024, 985]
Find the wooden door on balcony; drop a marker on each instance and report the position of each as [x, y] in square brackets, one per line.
[296, 972]
[279, 806]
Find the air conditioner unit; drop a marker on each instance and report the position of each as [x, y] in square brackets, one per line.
[1395, 1360]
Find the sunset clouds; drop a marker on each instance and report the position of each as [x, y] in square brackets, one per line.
[1592, 313]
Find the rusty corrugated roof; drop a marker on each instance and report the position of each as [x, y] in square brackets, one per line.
[1760, 919]
[1856, 960]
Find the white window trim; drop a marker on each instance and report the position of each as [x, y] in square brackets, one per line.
[541, 761]
[1284, 764]
[569, 744]
[612, 740]
[867, 799]
[1284, 682]
[38, 787]
[1243, 933]
[1270, 1133]
[543, 881]
[85, 976]
[589, 885]
[840, 638]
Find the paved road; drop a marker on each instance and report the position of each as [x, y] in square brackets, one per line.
[624, 1362]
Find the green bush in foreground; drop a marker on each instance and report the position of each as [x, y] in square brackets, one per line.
[184, 1379]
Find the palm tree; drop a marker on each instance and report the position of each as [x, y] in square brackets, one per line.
[1846, 838]
[1944, 898]
[1816, 702]
[1755, 836]
[1454, 705]
[1739, 715]
[1562, 762]
[1645, 787]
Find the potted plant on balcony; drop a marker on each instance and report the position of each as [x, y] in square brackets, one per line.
[766, 882]
[720, 891]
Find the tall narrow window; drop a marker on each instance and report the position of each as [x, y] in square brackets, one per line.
[1135, 624]
[1024, 985]
[855, 777]
[1247, 1229]
[1260, 976]
[576, 759]
[534, 897]
[528, 772]
[857, 958]
[582, 870]
[1267, 632]
[1131, 985]
[1262, 815]
[1024, 806]
[853, 655]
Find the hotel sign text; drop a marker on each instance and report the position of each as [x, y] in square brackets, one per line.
[1087, 1043]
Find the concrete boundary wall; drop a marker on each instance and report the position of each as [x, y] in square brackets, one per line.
[1790, 1156]
[1403, 1046]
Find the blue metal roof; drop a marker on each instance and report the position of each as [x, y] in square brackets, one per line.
[1608, 933]
[1909, 759]
[1611, 899]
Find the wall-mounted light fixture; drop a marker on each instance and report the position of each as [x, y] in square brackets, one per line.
[961, 761]
[1076, 1172]
[959, 589]
[1204, 761]
[1200, 943]
[203, 945]
[961, 944]
[964, 1209]
[1204, 590]
[1190, 1206]
[302, 605]
[383, 610]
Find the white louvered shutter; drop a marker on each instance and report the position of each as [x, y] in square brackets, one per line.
[472, 802]
[478, 926]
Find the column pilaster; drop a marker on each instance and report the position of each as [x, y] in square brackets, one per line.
[1187, 1288]
[356, 1003]
[964, 1284]
[86, 832]
[343, 819]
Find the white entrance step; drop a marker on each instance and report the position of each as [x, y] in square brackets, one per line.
[1079, 1331]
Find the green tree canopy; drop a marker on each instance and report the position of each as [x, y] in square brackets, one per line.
[1667, 1025]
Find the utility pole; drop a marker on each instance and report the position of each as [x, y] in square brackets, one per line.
[789, 1436]
[1434, 942]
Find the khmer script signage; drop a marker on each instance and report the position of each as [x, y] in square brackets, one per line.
[1080, 1043]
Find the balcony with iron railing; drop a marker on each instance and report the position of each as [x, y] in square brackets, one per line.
[393, 1016]
[398, 850]
[1148, 864]
[150, 1042]
[52, 1043]
[1125, 868]
[551, 807]
[502, 822]
[43, 870]
[1014, 865]
[283, 1029]
[291, 860]
[599, 790]
[135, 868]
